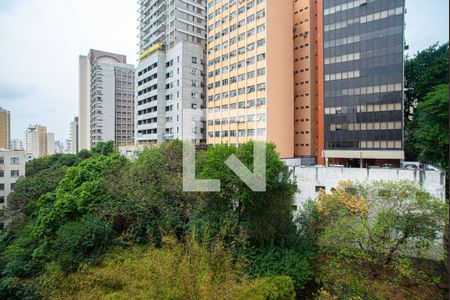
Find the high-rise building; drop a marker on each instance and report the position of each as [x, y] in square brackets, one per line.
[170, 74]
[84, 102]
[250, 73]
[308, 79]
[16, 145]
[50, 143]
[5, 129]
[38, 142]
[345, 74]
[106, 103]
[12, 167]
[74, 144]
[363, 45]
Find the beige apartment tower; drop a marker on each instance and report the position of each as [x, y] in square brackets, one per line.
[250, 73]
[5, 129]
[36, 141]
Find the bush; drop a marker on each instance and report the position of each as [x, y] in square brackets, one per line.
[175, 271]
[270, 288]
[11, 289]
[370, 237]
[279, 261]
[79, 242]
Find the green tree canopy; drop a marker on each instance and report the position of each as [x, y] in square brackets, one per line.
[431, 131]
[370, 234]
[423, 72]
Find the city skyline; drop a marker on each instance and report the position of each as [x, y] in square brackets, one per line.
[57, 95]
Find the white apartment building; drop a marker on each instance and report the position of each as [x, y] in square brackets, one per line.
[171, 73]
[164, 22]
[16, 145]
[106, 100]
[50, 143]
[39, 143]
[73, 145]
[12, 167]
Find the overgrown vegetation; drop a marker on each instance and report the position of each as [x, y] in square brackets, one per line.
[96, 225]
[371, 238]
[426, 106]
[75, 209]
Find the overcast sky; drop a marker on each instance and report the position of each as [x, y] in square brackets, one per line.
[40, 41]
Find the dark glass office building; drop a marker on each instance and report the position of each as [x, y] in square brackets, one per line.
[363, 43]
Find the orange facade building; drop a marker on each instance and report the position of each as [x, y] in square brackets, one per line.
[250, 73]
[308, 79]
[322, 79]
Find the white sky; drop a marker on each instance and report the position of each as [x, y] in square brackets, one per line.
[40, 41]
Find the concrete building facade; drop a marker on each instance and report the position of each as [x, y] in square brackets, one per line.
[5, 128]
[84, 102]
[165, 23]
[16, 145]
[106, 99]
[36, 141]
[50, 143]
[250, 73]
[170, 74]
[308, 80]
[73, 146]
[12, 167]
[169, 82]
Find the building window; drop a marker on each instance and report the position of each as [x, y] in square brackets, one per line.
[14, 173]
[2, 173]
[2, 187]
[319, 188]
[2, 160]
[2, 199]
[14, 160]
[194, 60]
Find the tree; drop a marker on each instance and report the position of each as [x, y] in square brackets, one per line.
[424, 71]
[79, 212]
[431, 131]
[81, 241]
[264, 217]
[77, 195]
[42, 176]
[58, 160]
[104, 148]
[372, 235]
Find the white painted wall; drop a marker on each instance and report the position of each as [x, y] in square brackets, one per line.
[308, 178]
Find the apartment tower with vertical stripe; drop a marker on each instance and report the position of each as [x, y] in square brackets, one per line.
[170, 77]
[106, 99]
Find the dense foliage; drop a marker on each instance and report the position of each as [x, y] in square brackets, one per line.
[370, 237]
[98, 201]
[423, 73]
[174, 271]
[432, 131]
[96, 225]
